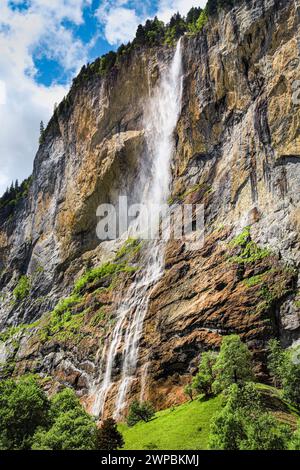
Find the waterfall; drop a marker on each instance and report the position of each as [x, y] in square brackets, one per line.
[160, 119]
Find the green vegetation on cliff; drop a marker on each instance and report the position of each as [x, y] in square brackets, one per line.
[13, 195]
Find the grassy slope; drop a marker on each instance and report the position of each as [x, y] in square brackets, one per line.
[181, 428]
[186, 427]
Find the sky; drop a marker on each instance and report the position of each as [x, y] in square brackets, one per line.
[43, 45]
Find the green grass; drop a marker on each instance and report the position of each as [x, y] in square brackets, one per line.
[181, 428]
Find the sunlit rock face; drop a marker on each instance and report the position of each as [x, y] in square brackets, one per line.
[236, 151]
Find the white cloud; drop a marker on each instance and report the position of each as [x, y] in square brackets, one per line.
[2, 93]
[120, 18]
[25, 102]
[166, 8]
[121, 25]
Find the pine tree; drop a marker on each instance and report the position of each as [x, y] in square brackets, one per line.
[108, 436]
[42, 133]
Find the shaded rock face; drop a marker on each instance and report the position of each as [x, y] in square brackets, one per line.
[237, 153]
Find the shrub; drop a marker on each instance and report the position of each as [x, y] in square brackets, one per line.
[250, 252]
[188, 390]
[22, 289]
[100, 273]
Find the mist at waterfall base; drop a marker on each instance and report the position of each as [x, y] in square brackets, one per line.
[160, 119]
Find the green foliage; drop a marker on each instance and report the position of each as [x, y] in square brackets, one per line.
[140, 411]
[130, 248]
[14, 195]
[284, 367]
[233, 363]
[12, 331]
[203, 381]
[201, 22]
[67, 318]
[242, 239]
[71, 427]
[290, 376]
[266, 433]
[188, 391]
[176, 28]
[100, 273]
[72, 430]
[226, 431]
[243, 425]
[22, 289]
[295, 442]
[108, 436]
[63, 323]
[42, 133]
[193, 15]
[254, 280]
[23, 408]
[250, 252]
[276, 361]
[63, 401]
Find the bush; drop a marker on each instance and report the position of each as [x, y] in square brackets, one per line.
[143, 411]
[188, 390]
[108, 436]
[22, 289]
[100, 273]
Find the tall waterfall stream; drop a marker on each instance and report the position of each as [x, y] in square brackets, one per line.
[160, 119]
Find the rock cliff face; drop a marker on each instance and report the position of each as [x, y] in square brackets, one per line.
[237, 152]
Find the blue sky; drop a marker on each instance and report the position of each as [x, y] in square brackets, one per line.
[43, 45]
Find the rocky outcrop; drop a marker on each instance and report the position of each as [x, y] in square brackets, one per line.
[237, 153]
